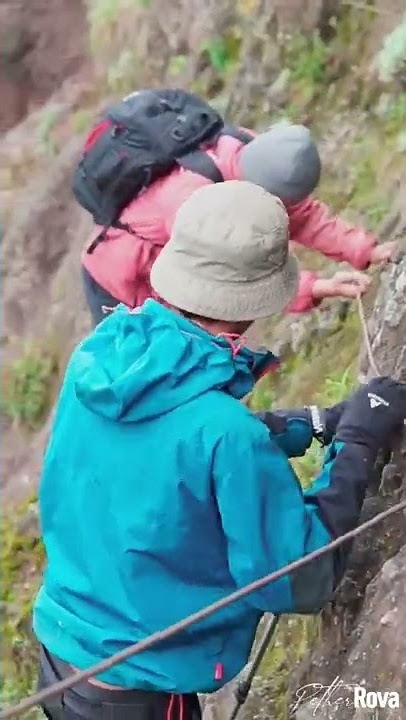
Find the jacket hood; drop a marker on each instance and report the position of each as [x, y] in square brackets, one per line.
[142, 364]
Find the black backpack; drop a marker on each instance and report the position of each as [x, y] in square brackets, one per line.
[139, 140]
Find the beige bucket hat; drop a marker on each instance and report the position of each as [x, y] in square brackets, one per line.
[228, 257]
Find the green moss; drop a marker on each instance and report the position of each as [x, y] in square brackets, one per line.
[177, 65]
[395, 115]
[123, 73]
[113, 44]
[295, 636]
[263, 395]
[221, 53]
[27, 387]
[351, 31]
[324, 371]
[81, 121]
[22, 560]
[306, 58]
[104, 17]
[44, 130]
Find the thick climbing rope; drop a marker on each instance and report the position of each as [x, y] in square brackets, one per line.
[367, 341]
[58, 688]
[157, 637]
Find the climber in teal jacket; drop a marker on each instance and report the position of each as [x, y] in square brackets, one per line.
[162, 493]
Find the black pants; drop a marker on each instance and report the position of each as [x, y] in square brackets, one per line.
[89, 702]
[96, 298]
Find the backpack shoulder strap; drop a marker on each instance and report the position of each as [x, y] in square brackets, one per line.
[236, 133]
[101, 236]
[199, 162]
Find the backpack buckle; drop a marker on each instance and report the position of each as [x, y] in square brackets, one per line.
[177, 133]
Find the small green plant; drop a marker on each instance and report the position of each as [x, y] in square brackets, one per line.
[81, 121]
[104, 18]
[262, 396]
[306, 57]
[27, 388]
[362, 173]
[376, 212]
[112, 42]
[336, 388]
[217, 52]
[22, 559]
[223, 50]
[44, 131]
[289, 112]
[308, 466]
[177, 65]
[395, 116]
[122, 75]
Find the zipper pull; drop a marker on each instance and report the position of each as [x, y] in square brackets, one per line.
[218, 672]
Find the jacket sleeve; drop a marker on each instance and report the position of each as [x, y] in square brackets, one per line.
[290, 429]
[269, 522]
[312, 225]
[303, 300]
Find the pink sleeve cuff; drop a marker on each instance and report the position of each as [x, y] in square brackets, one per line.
[361, 257]
[303, 300]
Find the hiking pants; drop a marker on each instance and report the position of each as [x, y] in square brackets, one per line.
[96, 298]
[89, 702]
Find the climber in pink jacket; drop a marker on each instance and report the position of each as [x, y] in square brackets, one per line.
[285, 161]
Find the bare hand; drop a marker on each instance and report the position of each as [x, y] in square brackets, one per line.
[343, 284]
[383, 253]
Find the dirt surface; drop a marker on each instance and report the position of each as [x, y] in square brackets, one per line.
[42, 42]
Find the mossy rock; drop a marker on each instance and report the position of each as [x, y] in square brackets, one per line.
[22, 560]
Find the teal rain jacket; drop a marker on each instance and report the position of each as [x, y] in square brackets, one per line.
[161, 493]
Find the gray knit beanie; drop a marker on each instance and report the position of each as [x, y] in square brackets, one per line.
[228, 256]
[284, 161]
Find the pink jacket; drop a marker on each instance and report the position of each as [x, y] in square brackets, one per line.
[121, 263]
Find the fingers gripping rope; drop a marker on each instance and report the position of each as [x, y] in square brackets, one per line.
[157, 637]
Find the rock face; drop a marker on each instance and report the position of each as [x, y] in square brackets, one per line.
[41, 43]
[33, 274]
[387, 323]
[364, 632]
[374, 658]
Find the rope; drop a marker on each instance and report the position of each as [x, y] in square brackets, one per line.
[157, 637]
[364, 326]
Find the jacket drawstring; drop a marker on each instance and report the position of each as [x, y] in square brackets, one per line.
[232, 339]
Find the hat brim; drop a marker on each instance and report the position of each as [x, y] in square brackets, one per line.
[221, 300]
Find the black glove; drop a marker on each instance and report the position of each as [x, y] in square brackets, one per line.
[374, 414]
